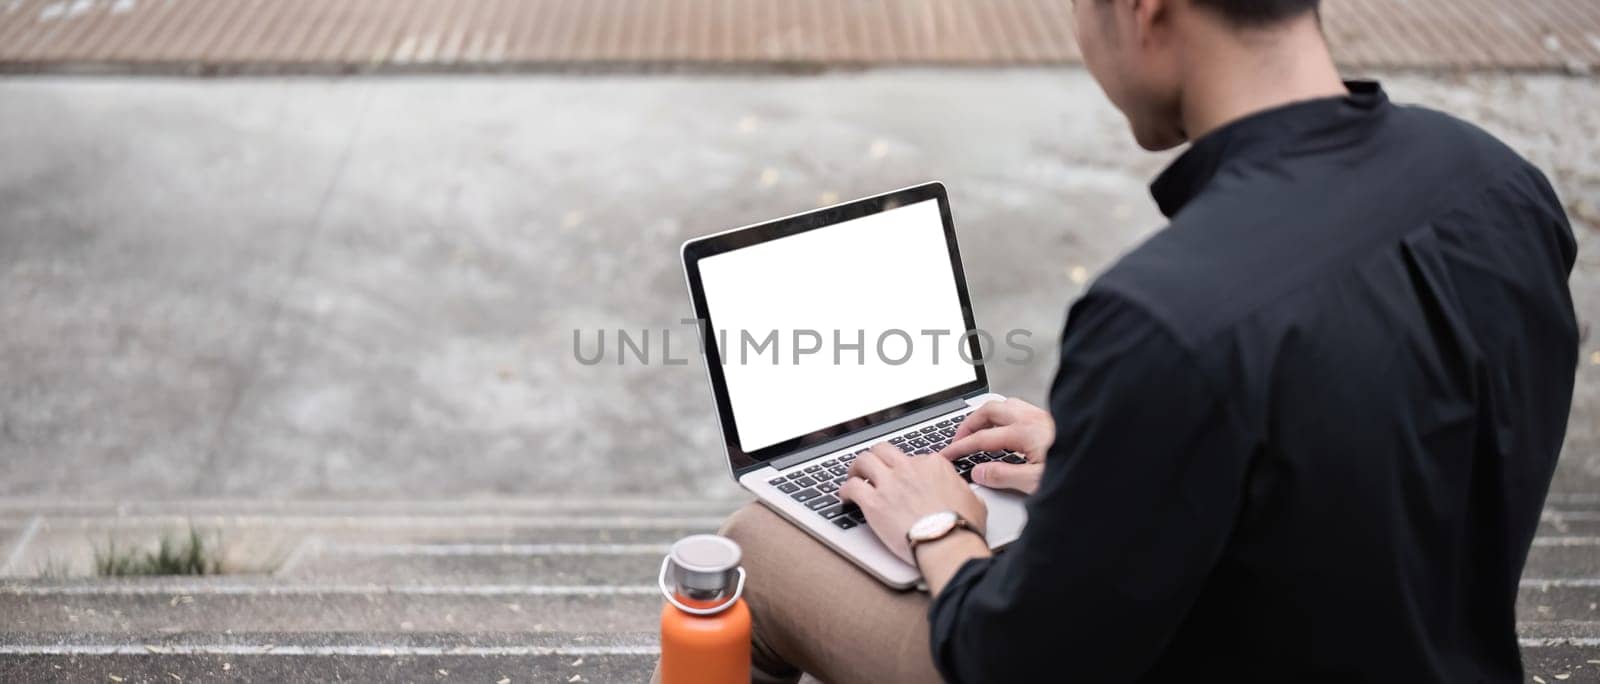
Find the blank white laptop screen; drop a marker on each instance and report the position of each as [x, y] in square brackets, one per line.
[850, 283]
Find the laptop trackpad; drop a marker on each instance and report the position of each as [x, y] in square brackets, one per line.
[1007, 515]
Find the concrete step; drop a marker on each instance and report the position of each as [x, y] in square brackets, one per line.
[1556, 660]
[62, 535]
[159, 606]
[138, 606]
[500, 549]
[509, 657]
[538, 563]
[1563, 600]
[24, 507]
[1570, 514]
[298, 657]
[328, 667]
[1551, 558]
[1563, 558]
[1563, 521]
[71, 553]
[263, 536]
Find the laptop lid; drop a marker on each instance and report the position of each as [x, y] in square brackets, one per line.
[822, 324]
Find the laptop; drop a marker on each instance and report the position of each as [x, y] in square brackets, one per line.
[830, 331]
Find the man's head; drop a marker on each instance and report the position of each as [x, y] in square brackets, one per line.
[1145, 52]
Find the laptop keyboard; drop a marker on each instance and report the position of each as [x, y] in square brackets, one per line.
[817, 485]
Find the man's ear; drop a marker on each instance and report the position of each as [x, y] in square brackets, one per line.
[1150, 20]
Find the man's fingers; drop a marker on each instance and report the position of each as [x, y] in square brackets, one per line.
[868, 466]
[992, 414]
[889, 454]
[992, 439]
[977, 420]
[854, 489]
[1021, 477]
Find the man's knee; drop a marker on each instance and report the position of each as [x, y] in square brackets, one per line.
[751, 525]
[772, 546]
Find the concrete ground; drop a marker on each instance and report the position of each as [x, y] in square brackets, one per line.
[369, 288]
[333, 318]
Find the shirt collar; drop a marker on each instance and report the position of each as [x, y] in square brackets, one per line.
[1263, 133]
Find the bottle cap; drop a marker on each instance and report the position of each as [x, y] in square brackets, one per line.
[701, 574]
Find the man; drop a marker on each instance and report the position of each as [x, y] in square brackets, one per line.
[1305, 431]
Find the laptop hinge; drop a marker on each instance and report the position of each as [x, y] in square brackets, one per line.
[868, 434]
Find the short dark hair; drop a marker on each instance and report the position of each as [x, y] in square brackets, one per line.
[1258, 12]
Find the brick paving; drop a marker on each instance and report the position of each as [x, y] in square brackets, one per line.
[287, 36]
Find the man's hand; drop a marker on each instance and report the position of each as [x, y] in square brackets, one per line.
[895, 490]
[1008, 424]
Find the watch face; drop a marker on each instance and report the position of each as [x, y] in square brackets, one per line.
[932, 526]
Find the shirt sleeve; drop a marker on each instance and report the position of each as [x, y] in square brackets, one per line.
[1139, 495]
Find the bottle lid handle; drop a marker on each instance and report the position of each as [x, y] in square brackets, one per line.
[661, 581]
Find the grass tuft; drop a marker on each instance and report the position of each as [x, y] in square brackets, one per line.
[174, 555]
[53, 569]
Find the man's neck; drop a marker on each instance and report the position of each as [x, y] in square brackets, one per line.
[1232, 73]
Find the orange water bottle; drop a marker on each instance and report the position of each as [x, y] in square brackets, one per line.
[705, 626]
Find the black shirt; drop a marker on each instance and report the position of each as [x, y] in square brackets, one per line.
[1304, 432]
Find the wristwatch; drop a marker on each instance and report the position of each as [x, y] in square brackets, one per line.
[934, 526]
